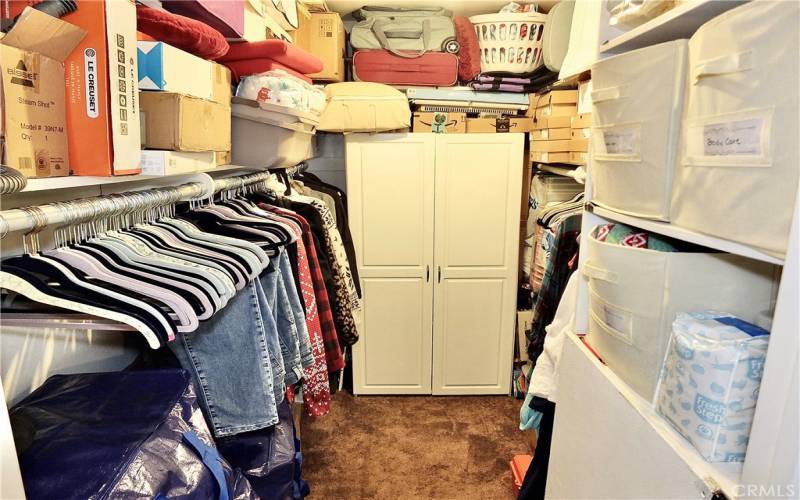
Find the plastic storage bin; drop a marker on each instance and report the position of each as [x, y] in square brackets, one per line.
[270, 136]
[510, 43]
[738, 172]
[710, 382]
[634, 295]
[637, 104]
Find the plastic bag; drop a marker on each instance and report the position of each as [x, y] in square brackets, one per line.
[282, 89]
[632, 13]
[710, 382]
[137, 434]
[266, 456]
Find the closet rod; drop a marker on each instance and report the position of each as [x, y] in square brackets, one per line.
[86, 209]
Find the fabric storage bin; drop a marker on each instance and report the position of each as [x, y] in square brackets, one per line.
[634, 295]
[269, 135]
[710, 382]
[738, 170]
[636, 104]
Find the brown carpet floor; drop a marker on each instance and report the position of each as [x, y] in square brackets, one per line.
[417, 447]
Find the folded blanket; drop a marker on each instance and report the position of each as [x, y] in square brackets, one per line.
[281, 52]
[247, 67]
[515, 80]
[505, 87]
[620, 234]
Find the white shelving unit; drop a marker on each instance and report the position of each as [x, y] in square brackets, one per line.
[683, 234]
[603, 428]
[680, 22]
[726, 476]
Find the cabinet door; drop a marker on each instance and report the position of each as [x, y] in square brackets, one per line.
[390, 200]
[478, 187]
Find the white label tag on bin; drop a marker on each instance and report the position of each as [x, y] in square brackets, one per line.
[621, 141]
[616, 320]
[735, 138]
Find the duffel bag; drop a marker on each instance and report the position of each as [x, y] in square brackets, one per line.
[408, 33]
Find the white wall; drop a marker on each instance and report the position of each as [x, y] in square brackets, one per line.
[329, 164]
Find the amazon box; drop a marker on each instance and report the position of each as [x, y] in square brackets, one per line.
[498, 125]
[32, 58]
[440, 123]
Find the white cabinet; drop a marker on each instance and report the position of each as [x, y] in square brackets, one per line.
[435, 223]
[390, 187]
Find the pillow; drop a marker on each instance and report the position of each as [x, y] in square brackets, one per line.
[277, 50]
[469, 57]
[181, 32]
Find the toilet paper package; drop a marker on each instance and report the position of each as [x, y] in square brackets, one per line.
[710, 381]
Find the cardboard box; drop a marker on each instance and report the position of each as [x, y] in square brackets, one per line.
[182, 123]
[581, 121]
[551, 134]
[175, 162]
[101, 80]
[551, 146]
[548, 157]
[440, 123]
[34, 112]
[221, 91]
[165, 68]
[222, 158]
[580, 145]
[580, 133]
[498, 125]
[552, 122]
[258, 25]
[556, 110]
[578, 158]
[555, 97]
[323, 35]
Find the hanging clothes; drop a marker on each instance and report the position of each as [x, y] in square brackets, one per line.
[339, 279]
[554, 260]
[234, 290]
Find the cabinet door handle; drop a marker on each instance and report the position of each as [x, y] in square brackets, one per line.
[427, 273]
[440, 274]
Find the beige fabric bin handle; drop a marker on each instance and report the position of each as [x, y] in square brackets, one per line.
[592, 271]
[725, 65]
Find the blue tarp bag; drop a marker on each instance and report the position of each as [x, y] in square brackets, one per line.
[133, 434]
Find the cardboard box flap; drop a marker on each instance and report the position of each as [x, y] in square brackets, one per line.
[258, 6]
[36, 31]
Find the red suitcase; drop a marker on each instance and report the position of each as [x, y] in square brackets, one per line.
[439, 69]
